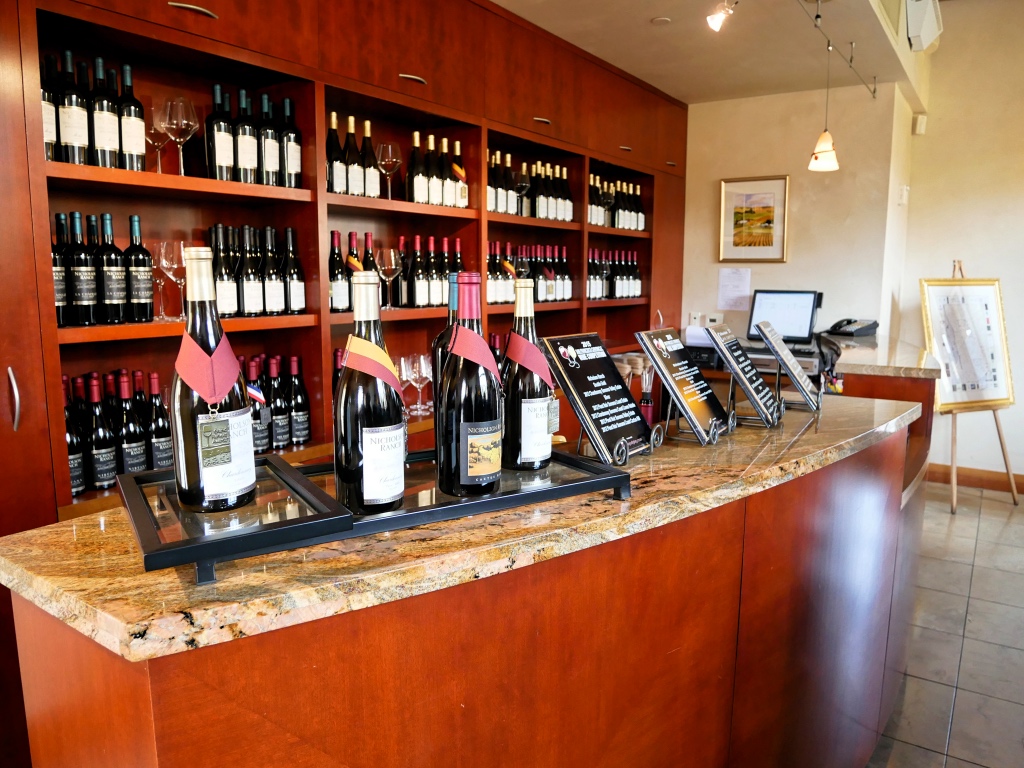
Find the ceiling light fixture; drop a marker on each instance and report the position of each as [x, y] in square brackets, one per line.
[722, 12]
[660, 21]
[824, 155]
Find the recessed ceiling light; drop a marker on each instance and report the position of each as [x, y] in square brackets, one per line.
[660, 21]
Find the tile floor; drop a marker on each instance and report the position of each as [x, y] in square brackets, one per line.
[962, 701]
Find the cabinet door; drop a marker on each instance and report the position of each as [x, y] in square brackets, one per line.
[285, 30]
[531, 82]
[418, 48]
[667, 248]
[622, 117]
[671, 138]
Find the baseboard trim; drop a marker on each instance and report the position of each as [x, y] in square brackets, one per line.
[974, 478]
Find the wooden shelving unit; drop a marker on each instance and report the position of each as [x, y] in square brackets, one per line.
[164, 328]
[529, 221]
[628, 234]
[539, 306]
[350, 202]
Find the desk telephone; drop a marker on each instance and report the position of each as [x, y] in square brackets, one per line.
[853, 327]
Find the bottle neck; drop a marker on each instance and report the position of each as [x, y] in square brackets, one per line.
[201, 320]
[366, 302]
[468, 311]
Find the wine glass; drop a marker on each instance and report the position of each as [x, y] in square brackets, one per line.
[522, 186]
[389, 158]
[389, 265]
[408, 374]
[425, 370]
[156, 137]
[180, 123]
[172, 261]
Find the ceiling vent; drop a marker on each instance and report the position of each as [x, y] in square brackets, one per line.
[924, 23]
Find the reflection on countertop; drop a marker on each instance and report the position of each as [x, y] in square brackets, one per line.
[882, 356]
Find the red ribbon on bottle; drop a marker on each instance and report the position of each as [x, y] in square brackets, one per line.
[523, 351]
[211, 376]
[469, 344]
[366, 357]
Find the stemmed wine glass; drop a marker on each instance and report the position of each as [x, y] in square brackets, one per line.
[405, 378]
[521, 180]
[156, 137]
[180, 123]
[389, 265]
[425, 367]
[172, 261]
[389, 158]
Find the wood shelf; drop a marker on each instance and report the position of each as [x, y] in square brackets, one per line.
[398, 206]
[629, 234]
[601, 304]
[538, 306]
[167, 328]
[395, 315]
[618, 347]
[530, 221]
[146, 183]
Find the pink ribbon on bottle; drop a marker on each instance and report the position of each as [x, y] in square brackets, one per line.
[211, 376]
[469, 344]
[523, 351]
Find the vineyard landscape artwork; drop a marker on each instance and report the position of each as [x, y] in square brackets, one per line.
[754, 217]
[753, 220]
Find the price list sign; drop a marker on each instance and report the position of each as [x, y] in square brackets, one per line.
[689, 389]
[790, 365]
[599, 396]
[745, 374]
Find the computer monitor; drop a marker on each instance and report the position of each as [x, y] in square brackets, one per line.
[791, 313]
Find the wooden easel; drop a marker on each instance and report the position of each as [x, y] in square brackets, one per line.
[958, 274]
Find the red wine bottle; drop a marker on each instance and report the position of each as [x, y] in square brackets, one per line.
[49, 96]
[273, 280]
[340, 293]
[268, 157]
[298, 403]
[280, 410]
[246, 143]
[368, 159]
[369, 422]
[140, 402]
[131, 450]
[439, 349]
[73, 116]
[133, 125]
[259, 410]
[432, 163]
[468, 417]
[213, 460]
[339, 356]
[220, 141]
[337, 175]
[82, 282]
[101, 465]
[73, 440]
[416, 175]
[159, 447]
[60, 272]
[294, 281]
[250, 281]
[103, 121]
[139, 265]
[80, 409]
[353, 163]
[112, 277]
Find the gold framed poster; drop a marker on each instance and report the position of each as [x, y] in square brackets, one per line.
[754, 219]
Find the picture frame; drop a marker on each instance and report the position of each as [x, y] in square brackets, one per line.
[966, 332]
[751, 227]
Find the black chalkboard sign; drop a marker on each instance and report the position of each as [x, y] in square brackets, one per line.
[599, 396]
[745, 374]
[685, 383]
[789, 363]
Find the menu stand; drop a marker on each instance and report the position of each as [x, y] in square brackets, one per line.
[621, 453]
[716, 428]
[756, 421]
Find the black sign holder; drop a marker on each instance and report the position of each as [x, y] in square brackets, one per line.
[784, 359]
[742, 372]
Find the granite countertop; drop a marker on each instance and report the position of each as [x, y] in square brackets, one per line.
[882, 356]
[88, 572]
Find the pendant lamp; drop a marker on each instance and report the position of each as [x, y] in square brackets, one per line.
[824, 155]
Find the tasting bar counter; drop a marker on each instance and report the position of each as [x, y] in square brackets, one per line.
[746, 607]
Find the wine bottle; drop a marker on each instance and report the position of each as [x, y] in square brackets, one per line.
[459, 173]
[444, 268]
[368, 159]
[468, 417]
[353, 162]
[273, 279]
[73, 441]
[494, 342]
[103, 128]
[112, 279]
[250, 281]
[139, 265]
[641, 215]
[339, 356]
[225, 285]
[132, 118]
[500, 189]
[434, 279]
[73, 116]
[140, 403]
[80, 407]
[338, 275]
[258, 409]
[294, 281]
[509, 184]
[525, 208]
[540, 194]
[416, 175]
[492, 193]
[566, 276]
[280, 411]
[48, 96]
[60, 275]
[400, 289]
[290, 148]
[100, 443]
[439, 348]
[131, 450]
[298, 403]
[369, 422]
[268, 159]
[337, 177]
[213, 461]
[159, 450]
[447, 177]
[435, 181]
[220, 144]
[246, 143]
[82, 282]
[420, 284]
[492, 282]
[526, 444]
[458, 266]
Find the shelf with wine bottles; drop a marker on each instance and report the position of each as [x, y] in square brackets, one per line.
[629, 234]
[396, 315]
[540, 306]
[169, 328]
[530, 221]
[351, 202]
[596, 305]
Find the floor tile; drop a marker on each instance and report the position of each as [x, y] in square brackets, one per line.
[939, 610]
[997, 586]
[897, 754]
[1003, 496]
[1002, 510]
[922, 713]
[987, 731]
[959, 549]
[993, 670]
[995, 623]
[1000, 557]
[952, 762]
[944, 575]
[1001, 531]
[934, 655]
[938, 520]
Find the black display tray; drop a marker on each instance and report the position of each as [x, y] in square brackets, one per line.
[295, 507]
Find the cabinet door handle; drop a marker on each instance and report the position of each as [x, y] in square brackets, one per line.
[17, 397]
[196, 8]
[415, 78]
[670, 162]
[625, 148]
[542, 120]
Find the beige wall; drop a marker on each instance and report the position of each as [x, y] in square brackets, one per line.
[967, 195]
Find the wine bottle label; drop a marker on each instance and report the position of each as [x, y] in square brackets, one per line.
[339, 295]
[293, 156]
[300, 427]
[83, 286]
[281, 425]
[161, 453]
[140, 285]
[133, 457]
[246, 152]
[567, 290]
[535, 440]
[133, 135]
[104, 131]
[383, 451]
[553, 416]
[435, 190]
[339, 179]
[436, 293]
[372, 180]
[60, 288]
[356, 179]
[77, 467]
[526, 205]
[115, 285]
[641, 221]
[273, 291]
[500, 201]
[560, 209]
[103, 463]
[226, 466]
[74, 126]
[252, 296]
[448, 193]
[422, 291]
[224, 149]
[491, 198]
[227, 297]
[542, 207]
[271, 155]
[491, 292]
[480, 452]
[461, 194]
[260, 434]
[559, 291]
[512, 202]
[49, 125]
[420, 189]
[568, 210]
[297, 295]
